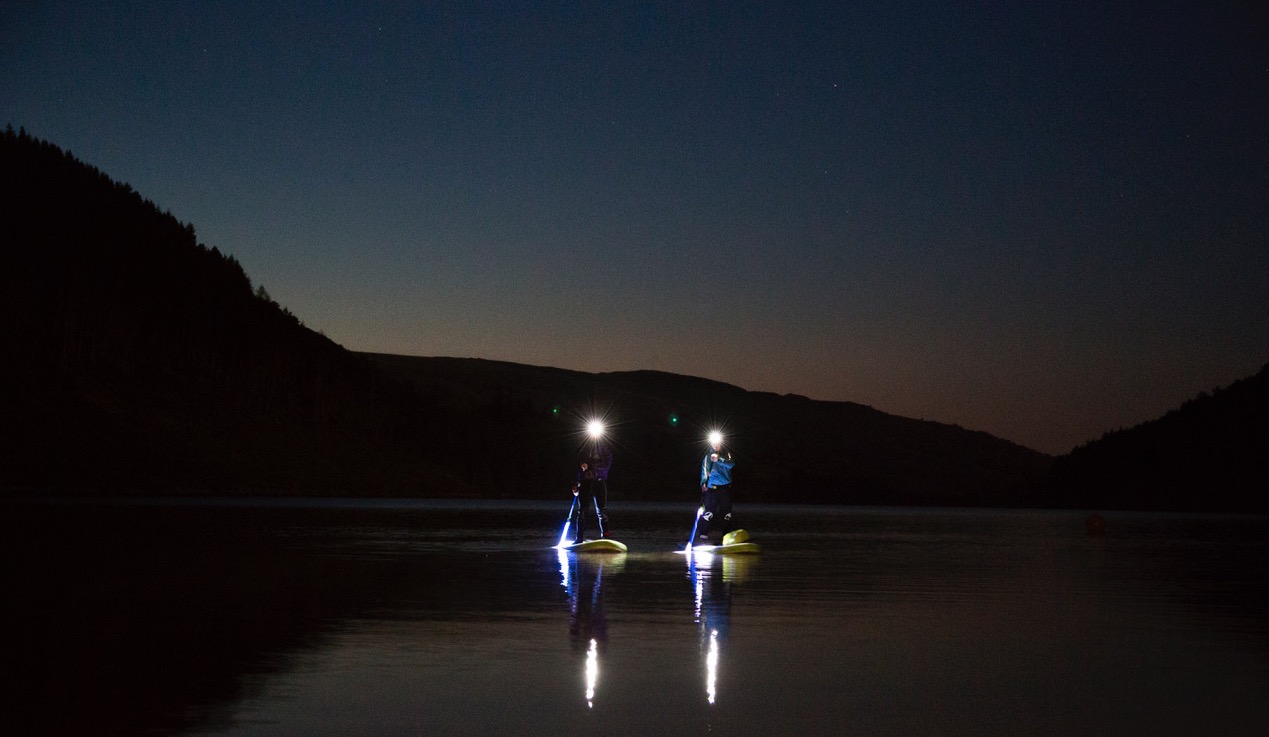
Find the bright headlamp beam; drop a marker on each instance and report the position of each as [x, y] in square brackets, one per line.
[715, 437]
[595, 429]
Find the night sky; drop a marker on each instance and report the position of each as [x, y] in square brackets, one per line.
[1041, 220]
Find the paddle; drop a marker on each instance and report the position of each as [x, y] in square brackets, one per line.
[567, 521]
[692, 539]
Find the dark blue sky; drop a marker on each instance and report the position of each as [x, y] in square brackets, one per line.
[1042, 222]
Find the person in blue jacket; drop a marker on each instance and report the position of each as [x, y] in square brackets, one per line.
[590, 486]
[716, 488]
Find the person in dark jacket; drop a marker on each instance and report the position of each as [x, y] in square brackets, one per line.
[590, 486]
[716, 487]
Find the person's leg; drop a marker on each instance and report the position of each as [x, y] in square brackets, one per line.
[586, 492]
[601, 499]
[710, 503]
[724, 512]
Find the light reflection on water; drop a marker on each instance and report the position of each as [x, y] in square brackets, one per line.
[461, 619]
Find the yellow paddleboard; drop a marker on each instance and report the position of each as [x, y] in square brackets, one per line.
[734, 548]
[603, 545]
[734, 542]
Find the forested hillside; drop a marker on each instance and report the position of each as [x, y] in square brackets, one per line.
[1210, 454]
[145, 361]
[789, 448]
[139, 359]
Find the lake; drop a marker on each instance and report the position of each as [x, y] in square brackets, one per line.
[263, 617]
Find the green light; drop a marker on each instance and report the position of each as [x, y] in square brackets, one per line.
[674, 420]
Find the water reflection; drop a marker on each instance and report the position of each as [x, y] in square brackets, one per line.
[712, 577]
[582, 577]
[246, 622]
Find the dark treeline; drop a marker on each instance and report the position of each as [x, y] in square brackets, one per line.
[789, 448]
[1210, 454]
[145, 362]
[140, 359]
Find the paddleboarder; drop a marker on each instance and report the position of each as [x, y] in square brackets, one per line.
[591, 483]
[716, 487]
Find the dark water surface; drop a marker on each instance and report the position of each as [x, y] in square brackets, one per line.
[436, 618]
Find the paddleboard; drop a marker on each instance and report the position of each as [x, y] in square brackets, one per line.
[734, 542]
[603, 545]
[734, 548]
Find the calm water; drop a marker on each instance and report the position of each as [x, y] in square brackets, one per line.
[459, 619]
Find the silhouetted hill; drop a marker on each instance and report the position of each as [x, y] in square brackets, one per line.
[139, 359]
[1211, 454]
[790, 448]
[144, 361]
